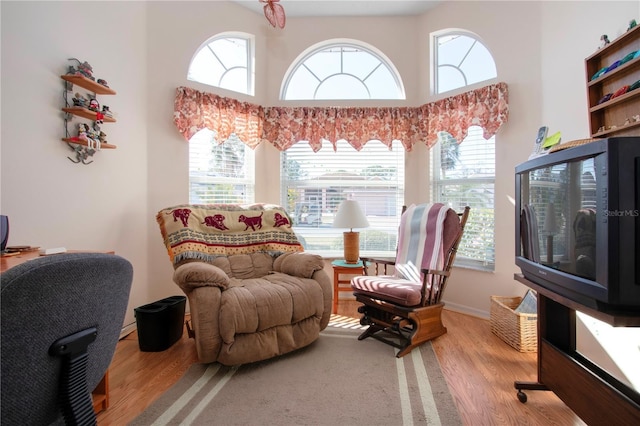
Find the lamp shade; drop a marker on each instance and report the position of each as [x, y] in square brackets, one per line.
[350, 216]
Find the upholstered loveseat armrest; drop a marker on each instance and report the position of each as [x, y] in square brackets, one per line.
[302, 265]
[200, 274]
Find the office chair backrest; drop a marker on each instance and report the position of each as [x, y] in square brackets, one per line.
[44, 300]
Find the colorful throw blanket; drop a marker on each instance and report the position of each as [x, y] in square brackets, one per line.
[420, 240]
[203, 232]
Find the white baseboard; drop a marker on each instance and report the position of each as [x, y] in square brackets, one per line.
[127, 330]
[463, 309]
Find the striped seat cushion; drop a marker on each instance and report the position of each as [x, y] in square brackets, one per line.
[386, 287]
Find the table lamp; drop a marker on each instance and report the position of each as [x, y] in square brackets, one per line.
[350, 216]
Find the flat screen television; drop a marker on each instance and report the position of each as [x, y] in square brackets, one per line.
[578, 223]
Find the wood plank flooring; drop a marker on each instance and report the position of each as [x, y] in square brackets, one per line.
[480, 370]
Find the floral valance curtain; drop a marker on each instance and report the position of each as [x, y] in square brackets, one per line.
[486, 107]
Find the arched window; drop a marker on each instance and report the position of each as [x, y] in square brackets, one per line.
[463, 172]
[314, 183]
[339, 69]
[225, 61]
[460, 60]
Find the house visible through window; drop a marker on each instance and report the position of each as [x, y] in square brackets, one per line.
[225, 61]
[220, 173]
[314, 184]
[463, 172]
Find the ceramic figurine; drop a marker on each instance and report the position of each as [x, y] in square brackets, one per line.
[604, 40]
[94, 105]
[84, 69]
[79, 100]
[103, 82]
[632, 24]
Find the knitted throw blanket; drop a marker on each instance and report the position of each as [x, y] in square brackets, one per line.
[420, 240]
[203, 232]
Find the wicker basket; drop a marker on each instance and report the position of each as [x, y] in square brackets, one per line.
[519, 330]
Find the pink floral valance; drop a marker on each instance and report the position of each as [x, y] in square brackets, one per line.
[195, 110]
[486, 107]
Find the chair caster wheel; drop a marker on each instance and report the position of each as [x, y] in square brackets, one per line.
[361, 309]
[522, 397]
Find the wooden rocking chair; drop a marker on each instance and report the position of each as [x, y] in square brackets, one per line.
[406, 305]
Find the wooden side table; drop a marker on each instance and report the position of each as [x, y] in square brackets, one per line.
[340, 267]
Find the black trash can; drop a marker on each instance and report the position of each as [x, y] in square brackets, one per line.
[160, 324]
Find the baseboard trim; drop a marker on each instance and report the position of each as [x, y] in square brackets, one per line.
[463, 309]
[127, 330]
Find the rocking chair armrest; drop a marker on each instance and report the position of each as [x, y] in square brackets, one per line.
[366, 261]
[388, 261]
[426, 272]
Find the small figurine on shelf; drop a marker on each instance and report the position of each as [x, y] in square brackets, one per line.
[102, 137]
[84, 69]
[99, 119]
[103, 82]
[106, 111]
[94, 105]
[604, 40]
[632, 24]
[83, 131]
[80, 101]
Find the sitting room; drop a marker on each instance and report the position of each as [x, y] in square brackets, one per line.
[425, 123]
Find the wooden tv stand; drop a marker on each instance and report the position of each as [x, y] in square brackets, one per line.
[594, 395]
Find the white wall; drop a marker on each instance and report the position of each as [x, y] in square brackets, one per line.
[50, 201]
[143, 50]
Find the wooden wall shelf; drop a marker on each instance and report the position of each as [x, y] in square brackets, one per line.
[88, 84]
[87, 113]
[74, 142]
[84, 143]
[609, 118]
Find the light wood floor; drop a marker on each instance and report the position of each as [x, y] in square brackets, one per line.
[480, 370]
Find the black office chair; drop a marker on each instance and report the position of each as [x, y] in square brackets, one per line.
[61, 320]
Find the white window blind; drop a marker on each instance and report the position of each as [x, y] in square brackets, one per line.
[464, 175]
[314, 184]
[220, 173]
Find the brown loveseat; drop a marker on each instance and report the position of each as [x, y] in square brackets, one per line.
[253, 293]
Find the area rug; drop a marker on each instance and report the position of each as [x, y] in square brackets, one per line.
[337, 380]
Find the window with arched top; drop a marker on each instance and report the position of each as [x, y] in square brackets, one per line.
[314, 183]
[339, 69]
[463, 172]
[225, 61]
[460, 60]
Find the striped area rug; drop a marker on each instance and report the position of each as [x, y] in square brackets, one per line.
[336, 380]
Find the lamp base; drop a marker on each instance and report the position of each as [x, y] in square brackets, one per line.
[351, 247]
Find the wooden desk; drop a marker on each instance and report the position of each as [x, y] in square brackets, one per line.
[592, 393]
[340, 267]
[101, 392]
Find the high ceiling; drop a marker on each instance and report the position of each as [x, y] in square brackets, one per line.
[302, 8]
